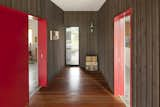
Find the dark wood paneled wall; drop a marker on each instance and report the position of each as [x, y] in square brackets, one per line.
[29, 6]
[88, 40]
[145, 52]
[145, 40]
[102, 41]
[54, 16]
[56, 55]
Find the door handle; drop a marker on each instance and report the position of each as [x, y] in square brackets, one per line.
[41, 56]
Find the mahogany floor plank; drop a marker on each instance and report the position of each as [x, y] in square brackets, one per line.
[75, 87]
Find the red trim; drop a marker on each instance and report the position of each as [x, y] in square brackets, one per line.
[14, 58]
[129, 12]
[42, 52]
[126, 13]
[119, 57]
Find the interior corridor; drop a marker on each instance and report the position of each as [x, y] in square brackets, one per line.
[74, 87]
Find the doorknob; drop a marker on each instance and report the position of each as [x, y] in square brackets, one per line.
[41, 55]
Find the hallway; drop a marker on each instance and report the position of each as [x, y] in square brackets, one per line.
[74, 87]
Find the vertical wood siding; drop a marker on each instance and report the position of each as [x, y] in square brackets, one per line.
[88, 40]
[145, 54]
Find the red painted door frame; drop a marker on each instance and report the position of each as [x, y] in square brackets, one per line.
[42, 50]
[118, 89]
[14, 90]
[14, 75]
[118, 59]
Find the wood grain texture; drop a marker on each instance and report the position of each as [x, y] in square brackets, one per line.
[28, 6]
[145, 52]
[88, 40]
[56, 50]
[74, 87]
[145, 41]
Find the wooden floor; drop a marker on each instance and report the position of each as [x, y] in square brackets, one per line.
[75, 87]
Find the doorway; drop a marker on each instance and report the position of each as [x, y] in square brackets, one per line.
[122, 57]
[16, 57]
[127, 61]
[72, 46]
[33, 54]
[37, 51]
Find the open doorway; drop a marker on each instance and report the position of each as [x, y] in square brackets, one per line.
[72, 46]
[122, 57]
[37, 49]
[127, 61]
[33, 55]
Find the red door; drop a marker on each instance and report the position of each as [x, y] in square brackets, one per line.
[13, 58]
[119, 34]
[42, 52]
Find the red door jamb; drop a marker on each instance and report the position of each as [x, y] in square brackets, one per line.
[42, 52]
[14, 90]
[129, 12]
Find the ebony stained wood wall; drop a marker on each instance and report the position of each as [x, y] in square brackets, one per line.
[29, 6]
[145, 53]
[56, 50]
[88, 40]
[54, 16]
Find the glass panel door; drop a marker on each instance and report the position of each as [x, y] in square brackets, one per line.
[72, 46]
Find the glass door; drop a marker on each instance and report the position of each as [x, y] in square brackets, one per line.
[72, 46]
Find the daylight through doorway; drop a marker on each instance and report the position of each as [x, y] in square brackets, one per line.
[72, 46]
[33, 55]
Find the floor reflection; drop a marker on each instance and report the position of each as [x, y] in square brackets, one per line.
[74, 87]
[74, 79]
[33, 79]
